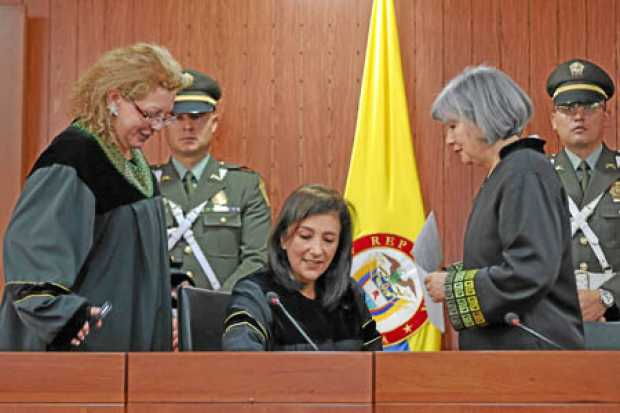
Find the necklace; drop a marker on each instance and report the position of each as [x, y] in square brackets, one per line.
[136, 171]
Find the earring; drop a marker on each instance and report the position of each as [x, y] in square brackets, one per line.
[113, 110]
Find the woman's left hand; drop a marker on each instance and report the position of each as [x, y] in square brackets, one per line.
[434, 283]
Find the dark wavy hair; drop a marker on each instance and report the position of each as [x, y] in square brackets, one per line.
[304, 202]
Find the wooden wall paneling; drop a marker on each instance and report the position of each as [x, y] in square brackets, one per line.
[91, 26]
[330, 99]
[316, 88]
[571, 30]
[601, 49]
[429, 70]
[147, 28]
[543, 59]
[405, 19]
[571, 39]
[12, 73]
[37, 82]
[458, 177]
[286, 170]
[231, 67]
[119, 17]
[485, 50]
[204, 55]
[515, 41]
[257, 95]
[175, 35]
[63, 62]
[350, 37]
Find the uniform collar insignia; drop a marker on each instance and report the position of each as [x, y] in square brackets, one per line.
[165, 178]
[610, 166]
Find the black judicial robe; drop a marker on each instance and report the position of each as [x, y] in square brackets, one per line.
[517, 258]
[252, 324]
[82, 234]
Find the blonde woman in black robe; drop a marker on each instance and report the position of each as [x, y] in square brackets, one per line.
[88, 227]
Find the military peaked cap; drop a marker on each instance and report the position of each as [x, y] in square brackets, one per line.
[201, 97]
[579, 81]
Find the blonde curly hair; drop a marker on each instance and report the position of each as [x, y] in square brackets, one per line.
[135, 71]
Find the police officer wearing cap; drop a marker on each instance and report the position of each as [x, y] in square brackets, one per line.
[217, 214]
[590, 174]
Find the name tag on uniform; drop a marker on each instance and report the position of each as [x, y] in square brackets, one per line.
[220, 208]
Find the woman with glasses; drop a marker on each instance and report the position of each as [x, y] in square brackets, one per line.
[87, 237]
[517, 254]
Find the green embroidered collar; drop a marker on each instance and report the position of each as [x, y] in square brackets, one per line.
[136, 171]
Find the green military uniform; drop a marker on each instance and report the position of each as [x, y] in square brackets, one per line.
[232, 228]
[604, 220]
[579, 90]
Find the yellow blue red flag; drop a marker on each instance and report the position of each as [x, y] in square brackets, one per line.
[383, 187]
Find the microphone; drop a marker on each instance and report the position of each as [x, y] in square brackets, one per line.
[273, 299]
[512, 319]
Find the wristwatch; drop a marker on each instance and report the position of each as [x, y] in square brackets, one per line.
[607, 298]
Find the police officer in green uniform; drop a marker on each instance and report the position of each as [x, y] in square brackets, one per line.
[217, 214]
[590, 174]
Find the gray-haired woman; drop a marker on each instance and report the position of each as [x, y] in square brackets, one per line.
[517, 252]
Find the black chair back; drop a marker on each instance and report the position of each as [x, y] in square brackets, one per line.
[201, 318]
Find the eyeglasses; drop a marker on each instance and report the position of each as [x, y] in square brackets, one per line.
[157, 121]
[587, 108]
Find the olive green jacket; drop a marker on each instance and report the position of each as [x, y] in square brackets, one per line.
[232, 235]
[604, 221]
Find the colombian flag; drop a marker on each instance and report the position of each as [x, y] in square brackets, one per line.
[384, 189]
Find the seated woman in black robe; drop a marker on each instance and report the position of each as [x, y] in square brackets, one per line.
[517, 253]
[308, 276]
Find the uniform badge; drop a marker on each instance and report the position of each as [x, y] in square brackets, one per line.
[220, 198]
[263, 190]
[615, 191]
[165, 178]
[610, 166]
[559, 168]
[576, 70]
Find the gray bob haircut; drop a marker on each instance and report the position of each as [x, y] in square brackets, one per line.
[489, 99]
